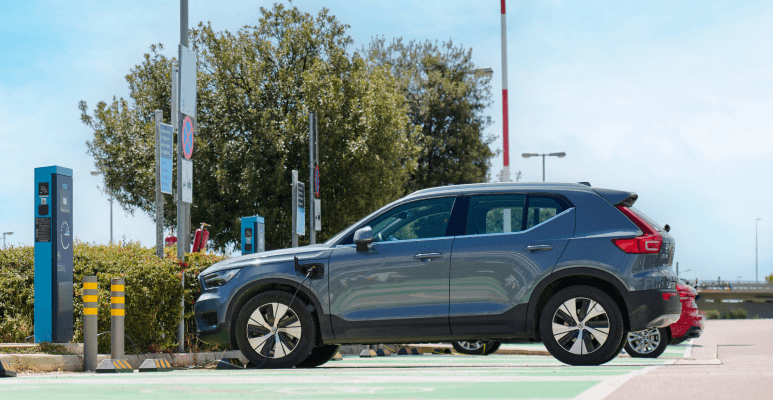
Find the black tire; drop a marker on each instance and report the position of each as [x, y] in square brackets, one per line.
[563, 343]
[492, 347]
[296, 330]
[647, 343]
[475, 348]
[320, 355]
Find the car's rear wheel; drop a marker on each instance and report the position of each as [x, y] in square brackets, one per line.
[647, 343]
[582, 325]
[476, 347]
[320, 355]
[275, 330]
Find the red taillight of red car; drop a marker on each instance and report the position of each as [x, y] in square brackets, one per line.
[648, 243]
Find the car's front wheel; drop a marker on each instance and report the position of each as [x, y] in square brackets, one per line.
[476, 347]
[582, 325]
[647, 343]
[275, 330]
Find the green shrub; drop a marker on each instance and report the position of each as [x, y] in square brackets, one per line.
[738, 313]
[712, 314]
[152, 290]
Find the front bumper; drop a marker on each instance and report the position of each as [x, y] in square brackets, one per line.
[210, 328]
[650, 309]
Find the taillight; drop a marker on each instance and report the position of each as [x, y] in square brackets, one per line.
[648, 243]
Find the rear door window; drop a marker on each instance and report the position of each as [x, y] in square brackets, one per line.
[495, 214]
[542, 208]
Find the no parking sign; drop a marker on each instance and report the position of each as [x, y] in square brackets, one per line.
[187, 137]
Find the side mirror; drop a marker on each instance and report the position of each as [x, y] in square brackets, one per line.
[362, 238]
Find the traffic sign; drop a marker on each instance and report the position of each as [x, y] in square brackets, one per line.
[187, 180]
[187, 81]
[187, 137]
[316, 181]
[166, 143]
[300, 223]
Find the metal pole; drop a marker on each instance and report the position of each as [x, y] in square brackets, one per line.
[543, 168]
[111, 219]
[117, 314]
[159, 196]
[90, 304]
[505, 138]
[295, 208]
[756, 276]
[312, 134]
[181, 209]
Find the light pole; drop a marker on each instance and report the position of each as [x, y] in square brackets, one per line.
[559, 155]
[756, 277]
[95, 173]
[5, 233]
[505, 129]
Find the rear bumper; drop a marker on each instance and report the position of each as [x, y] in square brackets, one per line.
[693, 333]
[649, 308]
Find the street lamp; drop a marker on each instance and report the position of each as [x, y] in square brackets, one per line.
[95, 173]
[559, 155]
[484, 72]
[756, 277]
[5, 233]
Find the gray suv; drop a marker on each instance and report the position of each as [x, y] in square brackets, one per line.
[571, 266]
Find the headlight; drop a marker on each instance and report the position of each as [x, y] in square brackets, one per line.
[219, 278]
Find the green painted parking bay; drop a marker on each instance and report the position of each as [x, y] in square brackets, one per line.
[498, 376]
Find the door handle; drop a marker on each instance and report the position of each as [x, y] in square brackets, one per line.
[427, 256]
[538, 247]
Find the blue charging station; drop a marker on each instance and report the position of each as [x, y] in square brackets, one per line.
[53, 255]
[253, 235]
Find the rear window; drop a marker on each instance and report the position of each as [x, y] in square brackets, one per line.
[647, 219]
[542, 209]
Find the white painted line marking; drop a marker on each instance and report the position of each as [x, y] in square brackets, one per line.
[607, 386]
[689, 348]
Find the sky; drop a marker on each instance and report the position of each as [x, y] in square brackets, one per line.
[670, 99]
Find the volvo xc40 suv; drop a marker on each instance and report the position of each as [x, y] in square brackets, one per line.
[569, 265]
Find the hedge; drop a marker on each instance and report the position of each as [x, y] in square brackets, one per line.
[152, 293]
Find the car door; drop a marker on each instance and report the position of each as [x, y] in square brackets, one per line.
[511, 241]
[399, 286]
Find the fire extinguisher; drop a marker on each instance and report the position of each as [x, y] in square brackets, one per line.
[200, 240]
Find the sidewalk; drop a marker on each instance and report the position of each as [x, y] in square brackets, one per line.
[742, 356]
[74, 363]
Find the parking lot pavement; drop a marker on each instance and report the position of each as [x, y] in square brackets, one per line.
[395, 377]
[734, 361]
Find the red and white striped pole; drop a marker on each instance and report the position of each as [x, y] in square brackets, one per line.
[505, 138]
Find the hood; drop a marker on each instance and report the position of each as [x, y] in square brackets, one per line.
[270, 257]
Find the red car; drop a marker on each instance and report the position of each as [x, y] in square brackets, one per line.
[652, 342]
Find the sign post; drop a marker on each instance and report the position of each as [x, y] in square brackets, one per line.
[53, 255]
[164, 173]
[184, 104]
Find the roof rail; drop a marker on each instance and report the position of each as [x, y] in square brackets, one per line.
[584, 183]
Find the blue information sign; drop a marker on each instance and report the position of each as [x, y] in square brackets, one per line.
[166, 144]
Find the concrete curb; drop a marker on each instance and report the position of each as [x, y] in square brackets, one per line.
[74, 363]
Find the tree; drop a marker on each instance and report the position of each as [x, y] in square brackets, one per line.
[447, 99]
[255, 90]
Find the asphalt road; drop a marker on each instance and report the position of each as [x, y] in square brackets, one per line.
[714, 368]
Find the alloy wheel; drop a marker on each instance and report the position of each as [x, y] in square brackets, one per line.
[274, 330]
[580, 325]
[471, 346]
[645, 341]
